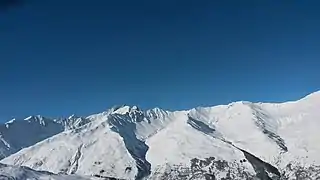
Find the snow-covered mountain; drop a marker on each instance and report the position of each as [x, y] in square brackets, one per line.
[18, 134]
[242, 140]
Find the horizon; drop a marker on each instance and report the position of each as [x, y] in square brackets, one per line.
[77, 57]
[163, 108]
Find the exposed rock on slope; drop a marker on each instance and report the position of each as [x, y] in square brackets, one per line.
[24, 173]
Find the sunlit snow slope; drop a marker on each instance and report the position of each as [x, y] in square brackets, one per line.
[241, 140]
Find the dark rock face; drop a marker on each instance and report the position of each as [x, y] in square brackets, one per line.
[105, 177]
[200, 126]
[123, 125]
[263, 169]
[206, 169]
[212, 169]
[298, 172]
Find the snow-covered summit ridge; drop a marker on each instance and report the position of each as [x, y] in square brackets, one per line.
[123, 109]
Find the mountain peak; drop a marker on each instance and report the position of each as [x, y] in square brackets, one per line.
[123, 109]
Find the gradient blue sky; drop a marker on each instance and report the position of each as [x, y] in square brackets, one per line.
[60, 57]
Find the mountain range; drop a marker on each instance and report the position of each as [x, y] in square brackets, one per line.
[241, 140]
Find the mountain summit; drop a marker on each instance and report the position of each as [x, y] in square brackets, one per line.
[242, 140]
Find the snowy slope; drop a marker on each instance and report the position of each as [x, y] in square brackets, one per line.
[18, 134]
[24, 173]
[241, 140]
[176, 146]
[92, 149]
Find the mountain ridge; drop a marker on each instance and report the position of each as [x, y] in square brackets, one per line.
[205, 142]
[312, 94]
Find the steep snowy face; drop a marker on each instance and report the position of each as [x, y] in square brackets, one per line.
[284, 135]
[298, 125]
[188, 148]
[151, 122]
[245, 125]
[146, 123]
[134, 126]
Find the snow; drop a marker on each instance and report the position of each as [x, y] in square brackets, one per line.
[18, 134]
[298, 125]
[122, 110]
[125, 137]
[236, 124]
[155, 120]
[72, 116]
[178, 143]
[11, 121]
[28, 118]
[87, 151]
[21, 133]
[24, 173]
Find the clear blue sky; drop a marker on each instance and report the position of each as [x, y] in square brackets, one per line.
[60, 57]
